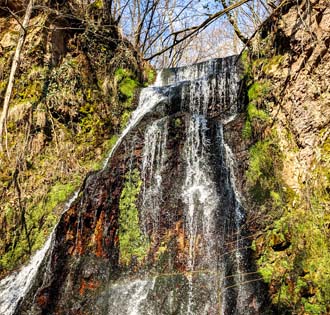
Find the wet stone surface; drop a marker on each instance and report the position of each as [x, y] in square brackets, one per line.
[187, 242]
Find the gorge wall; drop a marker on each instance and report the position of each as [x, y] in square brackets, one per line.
[288, 118]
[73, 93]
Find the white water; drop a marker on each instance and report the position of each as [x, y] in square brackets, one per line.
[197, 190]
[153, 159]
[14, 287]
[133, 292]
[149, 98]
[239, 216]
[196, 71]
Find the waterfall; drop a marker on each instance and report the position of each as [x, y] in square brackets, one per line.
[148, 100]
[190, 212]
[14, 287]
[154, 155]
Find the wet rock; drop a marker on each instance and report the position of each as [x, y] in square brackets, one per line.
[184, 248]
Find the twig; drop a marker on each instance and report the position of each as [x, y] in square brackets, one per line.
[198, 28]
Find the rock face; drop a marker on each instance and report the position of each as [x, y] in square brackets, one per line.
[290, 160]
[160, 229]
[300, 81]
[73, 92]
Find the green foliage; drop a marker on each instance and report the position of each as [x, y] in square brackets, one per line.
[265, 164]
[272, 64]
[300, 271]
[127, 87]
[258, 91]
[293, 250]
[43, 212]
[254, 113]
[107, 146]
[247, 130]
[247, 66]
[257, 116]
[151, 76]
[98, 4]
[177, 122]
[133, 244]
[126, 115]
[127, 83]
[60, 126]
[91, 123]
[40, 220]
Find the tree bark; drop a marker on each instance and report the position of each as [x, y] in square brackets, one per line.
[234, 24]
[14, 66]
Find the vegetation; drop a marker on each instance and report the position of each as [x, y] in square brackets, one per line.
[63, 119]
[293, 250]
[134, 244]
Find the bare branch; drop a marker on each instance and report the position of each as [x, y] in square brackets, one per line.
[233, 22]
[196, 29]
[14, 15]
[14, 67]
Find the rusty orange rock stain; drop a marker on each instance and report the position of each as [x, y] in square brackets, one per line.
[42, 300]
[88, 285]
[98, 236]
[79, 249]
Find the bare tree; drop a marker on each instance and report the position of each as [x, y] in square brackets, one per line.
[233, 21]
[16, 60]
[183, 34]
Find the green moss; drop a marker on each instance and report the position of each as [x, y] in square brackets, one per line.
[127, 87]
[266, 271]
[272, 64]
[66, 121]
[305, 262]
[247, 130]
[91, 124]
[314, 308]
[40, 220]
[246, 62]
[293, 250]
[127, 83]
[133, 244]
[59, 193]
[265, 163]
[98, 4]
[177, 122]
[44, 212]
[258, 90]
[151, 75]
[254, 113]
[126, 115]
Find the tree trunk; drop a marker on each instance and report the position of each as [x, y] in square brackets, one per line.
[14, 66]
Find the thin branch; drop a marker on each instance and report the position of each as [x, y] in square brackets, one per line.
[196, 29]
[14, 15]
[14, 67]
[234, 24]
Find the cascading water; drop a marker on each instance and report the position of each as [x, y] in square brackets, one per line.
[154, 155]
[14, 287]
[194, 259]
